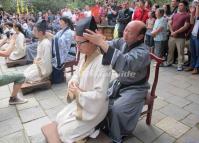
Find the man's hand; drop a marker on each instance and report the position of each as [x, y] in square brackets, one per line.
[173, 34]
[97, 39]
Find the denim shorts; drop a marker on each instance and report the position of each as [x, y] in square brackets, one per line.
[149, 40]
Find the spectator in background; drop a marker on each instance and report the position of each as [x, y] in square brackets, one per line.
[124, 17]
[167, 10]
[87, 11]
[149, 25]
[141, 13]
[148, 4]
[160, 32]
[174, 6]
[112, 14]
[178, 26]
[194, 41]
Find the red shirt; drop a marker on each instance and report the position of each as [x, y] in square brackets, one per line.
[178, 21]
[140, 14]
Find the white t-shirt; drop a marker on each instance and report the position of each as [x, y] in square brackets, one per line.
[195, 28]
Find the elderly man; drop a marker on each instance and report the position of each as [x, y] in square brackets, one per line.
[129, 57]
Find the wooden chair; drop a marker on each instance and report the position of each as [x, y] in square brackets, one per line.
[151, 95]
[72, 63]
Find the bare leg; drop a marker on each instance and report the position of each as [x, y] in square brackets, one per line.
[16, 88]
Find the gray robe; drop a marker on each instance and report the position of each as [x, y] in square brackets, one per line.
[131, 65]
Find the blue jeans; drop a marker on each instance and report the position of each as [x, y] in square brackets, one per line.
[194, 48]
[160, 47]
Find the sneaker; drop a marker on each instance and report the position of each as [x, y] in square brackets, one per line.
[179, 69]
[17, 100]
[167, 64]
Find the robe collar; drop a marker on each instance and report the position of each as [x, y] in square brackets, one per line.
[128, 48]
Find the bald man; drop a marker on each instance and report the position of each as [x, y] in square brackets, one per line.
[129, 57]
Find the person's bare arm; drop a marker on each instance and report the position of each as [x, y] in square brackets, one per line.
[184, 28]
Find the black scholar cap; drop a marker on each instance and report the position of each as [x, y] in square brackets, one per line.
[86, 23]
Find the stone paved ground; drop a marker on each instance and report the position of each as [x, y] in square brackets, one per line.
[175, 116]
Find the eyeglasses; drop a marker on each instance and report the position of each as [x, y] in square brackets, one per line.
[80, 43]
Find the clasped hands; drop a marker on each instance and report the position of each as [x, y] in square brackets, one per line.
[73, 88]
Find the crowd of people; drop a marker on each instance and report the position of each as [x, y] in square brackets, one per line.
[49, 40]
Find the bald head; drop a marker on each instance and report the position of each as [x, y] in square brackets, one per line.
[137, 26]
[134, 31]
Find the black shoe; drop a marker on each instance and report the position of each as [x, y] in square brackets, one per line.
[17, 100]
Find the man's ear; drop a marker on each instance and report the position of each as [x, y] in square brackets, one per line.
[140, 37]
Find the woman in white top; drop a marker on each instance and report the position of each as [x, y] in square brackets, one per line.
[16, 48]
[41, 67]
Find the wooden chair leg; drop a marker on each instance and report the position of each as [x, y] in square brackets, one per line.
[149, 115]
[71, 70]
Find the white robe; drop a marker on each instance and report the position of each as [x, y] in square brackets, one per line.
[93, 102]
[19, 50]
[43, 69]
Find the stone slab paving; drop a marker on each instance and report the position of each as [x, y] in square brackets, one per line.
[172, 127]
[175, 116]
[18, 137]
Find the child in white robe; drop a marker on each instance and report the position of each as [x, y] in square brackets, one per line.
[87, 97]
[41, 67]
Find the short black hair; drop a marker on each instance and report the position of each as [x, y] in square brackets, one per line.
[41, 25]
[143, 30]
[186, 4]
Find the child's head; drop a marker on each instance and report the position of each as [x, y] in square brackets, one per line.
[159, 12]
[151, 14]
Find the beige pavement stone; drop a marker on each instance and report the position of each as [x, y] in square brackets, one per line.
[4, 103]
[191, 120]
[146, 133]
[194, 89]
[193, 108]
[34, 128]
[132, 139]
[32, 102]
[30, 114]
[7, 113]
[159, 103]
[179, 101]
[174, 112]
[191, 136]
[193, 98]
[52, 113]
[45, 94]
[156, 117]
[50, 103]
[165, 138]
[18, 137]
[10, 126]
[172, 127]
